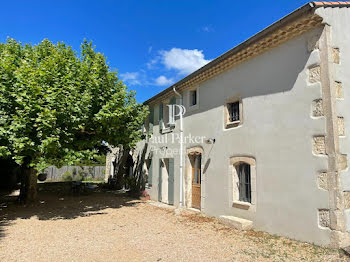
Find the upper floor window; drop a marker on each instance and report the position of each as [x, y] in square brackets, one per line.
[193, 97]
[233, 112]
[166, 115]
[151, 120]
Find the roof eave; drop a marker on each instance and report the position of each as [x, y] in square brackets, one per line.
[305, 9]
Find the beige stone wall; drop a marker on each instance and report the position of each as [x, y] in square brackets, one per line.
[331, 46]
[297, 149]
[283, 111]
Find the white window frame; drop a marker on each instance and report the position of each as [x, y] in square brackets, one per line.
[166, 128]
[227, 123]
[233, 183]
[190, 106]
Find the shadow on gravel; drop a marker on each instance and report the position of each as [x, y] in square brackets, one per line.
[53, 206]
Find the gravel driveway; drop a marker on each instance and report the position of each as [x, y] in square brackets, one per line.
[109, 227]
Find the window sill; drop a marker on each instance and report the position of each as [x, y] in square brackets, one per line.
[167, 130]
[233, 124]
[241, 205]
[193, 107]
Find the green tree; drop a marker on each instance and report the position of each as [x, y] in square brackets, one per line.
[59, 107]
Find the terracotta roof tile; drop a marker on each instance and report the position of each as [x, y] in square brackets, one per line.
[336, 3]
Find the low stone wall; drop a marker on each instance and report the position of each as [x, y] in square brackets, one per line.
[75, 172]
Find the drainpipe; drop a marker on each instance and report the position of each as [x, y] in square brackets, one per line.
[181, 151]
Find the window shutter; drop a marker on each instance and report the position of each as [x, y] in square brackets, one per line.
[171, 181]
[160, 181]
[172, 112]
[151, 120]
[160, 117]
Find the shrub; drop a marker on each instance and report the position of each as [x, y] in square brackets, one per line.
[81, 175]
[67, 176]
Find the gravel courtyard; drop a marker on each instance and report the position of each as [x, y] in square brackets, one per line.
[105, 226]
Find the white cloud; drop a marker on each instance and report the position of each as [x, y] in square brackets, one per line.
[150, 49]
[132, 78]
[152, 63]
[185, 61]
[163, 81]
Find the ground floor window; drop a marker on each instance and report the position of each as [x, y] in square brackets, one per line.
[242, 181]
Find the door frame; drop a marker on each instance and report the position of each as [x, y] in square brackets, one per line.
[188, 177]
[166, 183]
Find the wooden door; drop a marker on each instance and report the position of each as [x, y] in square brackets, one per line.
[196, 181]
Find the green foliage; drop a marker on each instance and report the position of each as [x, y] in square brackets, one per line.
[81, 175]
[92, 179]
[67, 176]
[99, 160]
[134, 184]
[59, 107]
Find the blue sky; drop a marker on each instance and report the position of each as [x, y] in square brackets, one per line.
[152, 43]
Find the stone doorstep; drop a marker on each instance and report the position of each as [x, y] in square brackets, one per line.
[160, 204]
[236, 222]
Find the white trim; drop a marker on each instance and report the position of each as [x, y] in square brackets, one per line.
[196, 106]
[233, 190]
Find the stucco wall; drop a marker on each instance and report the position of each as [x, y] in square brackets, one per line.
[277, 131]
[282, 121]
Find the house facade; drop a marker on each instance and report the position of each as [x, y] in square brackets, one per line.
[265, 136]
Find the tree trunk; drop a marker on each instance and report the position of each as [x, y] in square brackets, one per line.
[138, 173]
[28, 192]
[121, 171]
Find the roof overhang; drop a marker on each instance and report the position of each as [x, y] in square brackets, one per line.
[290, 26]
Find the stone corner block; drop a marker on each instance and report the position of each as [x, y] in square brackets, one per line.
[338, 89]
[317, 108]
[341, 127]
[342, 161]
[315, 74]
[336, 55]
[319, 145]
[323, 218]
[322, 180]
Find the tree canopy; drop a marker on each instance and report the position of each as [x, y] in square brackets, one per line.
[58, 106]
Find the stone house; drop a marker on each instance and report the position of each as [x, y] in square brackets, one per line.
[265, 137]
